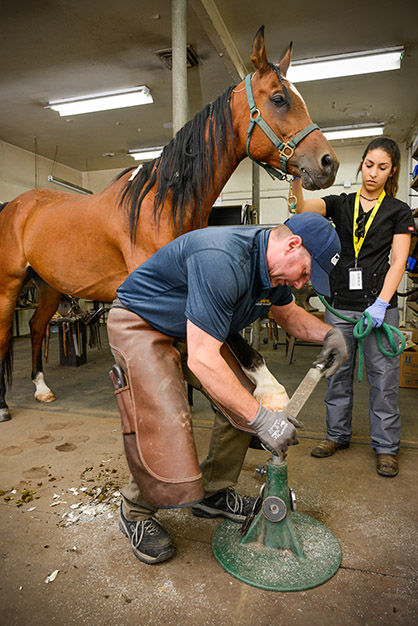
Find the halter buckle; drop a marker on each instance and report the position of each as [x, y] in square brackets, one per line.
[283, 154]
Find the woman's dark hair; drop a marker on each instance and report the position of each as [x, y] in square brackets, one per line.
[392, 149]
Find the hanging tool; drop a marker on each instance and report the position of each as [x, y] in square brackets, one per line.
[64, 338]
[47, 336]
[76, 350]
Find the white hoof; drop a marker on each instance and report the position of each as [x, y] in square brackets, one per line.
[45, 397]
[274, 400]
[5, 415]
[43, 392]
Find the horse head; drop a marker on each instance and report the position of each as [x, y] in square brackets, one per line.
[280, 131]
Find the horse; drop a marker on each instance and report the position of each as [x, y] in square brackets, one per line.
[85, 246]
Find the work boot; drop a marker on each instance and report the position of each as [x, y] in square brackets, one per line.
[225, 503]
[150, 542]
[327, 448]
[387, 465]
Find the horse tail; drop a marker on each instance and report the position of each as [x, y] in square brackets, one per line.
[8, 358]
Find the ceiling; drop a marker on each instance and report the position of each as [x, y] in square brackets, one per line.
[61, 48]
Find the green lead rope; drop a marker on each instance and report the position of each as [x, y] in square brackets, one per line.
[361, 331]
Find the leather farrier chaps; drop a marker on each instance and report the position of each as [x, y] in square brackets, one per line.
[156, 419]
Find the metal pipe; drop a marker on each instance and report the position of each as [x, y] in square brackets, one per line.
[256, 189]
[179, 68]
[67, 184]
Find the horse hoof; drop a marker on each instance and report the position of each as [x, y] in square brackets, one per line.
[45, 397]
[272, 401]
[5, 415]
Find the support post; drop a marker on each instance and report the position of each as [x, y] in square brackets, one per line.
[179, 68]
[256, 211]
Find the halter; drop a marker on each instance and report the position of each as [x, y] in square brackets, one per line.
[286, 150]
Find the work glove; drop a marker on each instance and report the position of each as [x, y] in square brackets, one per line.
[333, 353]
[377, 312]
[274, 429]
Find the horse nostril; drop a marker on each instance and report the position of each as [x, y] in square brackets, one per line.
[327, 162]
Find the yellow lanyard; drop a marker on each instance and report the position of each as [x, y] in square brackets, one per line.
[358, 241]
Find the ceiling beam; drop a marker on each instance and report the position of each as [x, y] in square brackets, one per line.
[214, 26]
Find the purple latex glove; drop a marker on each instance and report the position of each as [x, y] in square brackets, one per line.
[377, 311]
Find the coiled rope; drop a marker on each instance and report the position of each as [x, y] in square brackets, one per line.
[361, 331]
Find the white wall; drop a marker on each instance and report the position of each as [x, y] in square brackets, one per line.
[17, 172]
[96, 181]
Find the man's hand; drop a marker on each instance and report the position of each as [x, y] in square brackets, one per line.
[377, 312]
[274, 429]
[333, 353]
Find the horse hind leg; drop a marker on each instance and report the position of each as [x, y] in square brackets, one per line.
[48, 303]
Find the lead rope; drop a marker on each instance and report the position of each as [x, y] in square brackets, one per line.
[360, 332]
[291, 198]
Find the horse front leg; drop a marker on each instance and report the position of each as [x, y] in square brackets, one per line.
[9, 292]
[48, 303]
[268, 391]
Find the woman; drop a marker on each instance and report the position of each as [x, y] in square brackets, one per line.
[372, 224]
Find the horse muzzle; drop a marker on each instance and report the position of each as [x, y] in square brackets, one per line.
[320, 175]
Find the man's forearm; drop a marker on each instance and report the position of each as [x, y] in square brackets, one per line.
[224, 387]
[300, 324]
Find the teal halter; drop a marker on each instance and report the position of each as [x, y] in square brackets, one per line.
[286, 150]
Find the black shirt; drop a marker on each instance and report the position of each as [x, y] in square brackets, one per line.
[393, 217]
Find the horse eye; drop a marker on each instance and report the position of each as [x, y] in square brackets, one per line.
[278, 100]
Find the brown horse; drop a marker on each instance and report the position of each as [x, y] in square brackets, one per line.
[86, 246]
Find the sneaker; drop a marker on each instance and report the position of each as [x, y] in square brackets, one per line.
[225, 503]
[150, 542]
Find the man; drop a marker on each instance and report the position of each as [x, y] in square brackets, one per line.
[204, 286]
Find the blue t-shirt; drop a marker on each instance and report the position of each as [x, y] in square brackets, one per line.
[215, 277]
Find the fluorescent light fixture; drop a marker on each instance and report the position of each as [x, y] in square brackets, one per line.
[146, 154]
[351, 132]
[102, 101]
[350, 64]
[67, 185]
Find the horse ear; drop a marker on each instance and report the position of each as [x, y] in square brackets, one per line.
[285, 62]
[258, 53]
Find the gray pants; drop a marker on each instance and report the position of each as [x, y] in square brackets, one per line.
[383, 378]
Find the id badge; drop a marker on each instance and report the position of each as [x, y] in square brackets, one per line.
[355, 278]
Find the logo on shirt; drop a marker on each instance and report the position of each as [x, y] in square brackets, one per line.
[335, 259]
[411, 228]
[263, 302]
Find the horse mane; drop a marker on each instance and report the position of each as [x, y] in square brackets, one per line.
[185, 169]
[3, 205]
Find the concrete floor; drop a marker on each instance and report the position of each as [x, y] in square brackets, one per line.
[67, 451]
